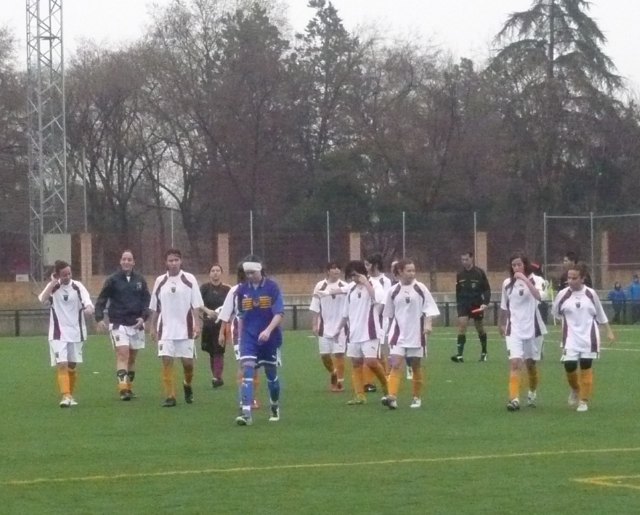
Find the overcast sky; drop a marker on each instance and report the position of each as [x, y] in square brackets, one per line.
[461, 27]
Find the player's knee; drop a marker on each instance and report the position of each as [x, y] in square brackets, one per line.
[271, 372]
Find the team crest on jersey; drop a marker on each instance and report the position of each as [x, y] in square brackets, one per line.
[333, 296]
[578, 305]
[117, 338]
[359, 295]
[65, 297]
[173, 289]
[138, 286]
[521, 292]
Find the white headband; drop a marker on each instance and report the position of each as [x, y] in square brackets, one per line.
[251, 266]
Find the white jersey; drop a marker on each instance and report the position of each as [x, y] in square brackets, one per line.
[66, 318]
[386, 284]
[173, 298]
[328, 302]
[229, 311]
[523, 318]
[407, 306]
[581, 312]
[363, 312]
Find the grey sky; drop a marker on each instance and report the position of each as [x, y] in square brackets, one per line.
[461, 27]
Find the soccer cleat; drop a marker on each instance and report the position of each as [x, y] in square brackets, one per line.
[216, 382]
[338, 387]
[392, 403]
[370, 388]
[125, 395]
[357, 401]
[416, 403]
[513, 405]
[188, 393]
[66, 401]
[573, 400]
[582, 406]
[457, 358]
[73, 402]
[256, 404]
[169, 402]
[483, 357]
[409, 373]
[532, 398]
[244, 420]
[275, 413]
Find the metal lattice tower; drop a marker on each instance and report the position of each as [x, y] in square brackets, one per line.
[46, 131]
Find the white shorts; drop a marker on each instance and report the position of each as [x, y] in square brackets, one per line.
[65, 352]
[408, 352]
[331, 346]
[367, 349]
[126, 336]
[531, 348]
[577, 355]
[177, 348]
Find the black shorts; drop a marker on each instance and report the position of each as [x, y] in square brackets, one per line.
[465, 310]
[209, 339]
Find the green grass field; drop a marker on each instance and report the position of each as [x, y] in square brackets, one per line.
[461, 453]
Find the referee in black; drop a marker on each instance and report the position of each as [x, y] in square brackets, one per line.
[473, 295]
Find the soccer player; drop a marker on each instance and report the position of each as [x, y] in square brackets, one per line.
[374, 266]
[125, 298]
[361, 315]
[327, 305]
[174, 323]
[580, 310]
[213, 294]
[473, 295]
[409, 307]
[229, 334]
[260, 313]
[69, 302]
[522, 327]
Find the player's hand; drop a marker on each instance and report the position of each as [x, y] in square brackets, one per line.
[503, 330]
[610, 336]
[153, 333]
[196, 331]
[264, 335]
[88, 310]
[236, 351]
[520, 275]
[139, 324]
[101, 326]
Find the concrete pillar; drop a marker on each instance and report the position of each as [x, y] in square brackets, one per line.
[355, 246]
[223, 254]
[605, 282]
[86, 257]
[482, 256]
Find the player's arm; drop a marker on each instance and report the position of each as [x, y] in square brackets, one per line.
[486, 291]
[85, 299]
[278, 310]
[101, 305]
[45, 295]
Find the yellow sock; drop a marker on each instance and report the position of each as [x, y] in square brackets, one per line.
[327, 362]
[368, 377]
[586, 384]
[167, 380]
[534, 378]
[339, 364]
[514, 384]
[572, 379]
[62, 375]
[417, 381]
[357, 378]
[395, 377]
[73, 376]
[378, 370]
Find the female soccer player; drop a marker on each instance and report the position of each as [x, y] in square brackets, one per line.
[522, 327]
[580, 310]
